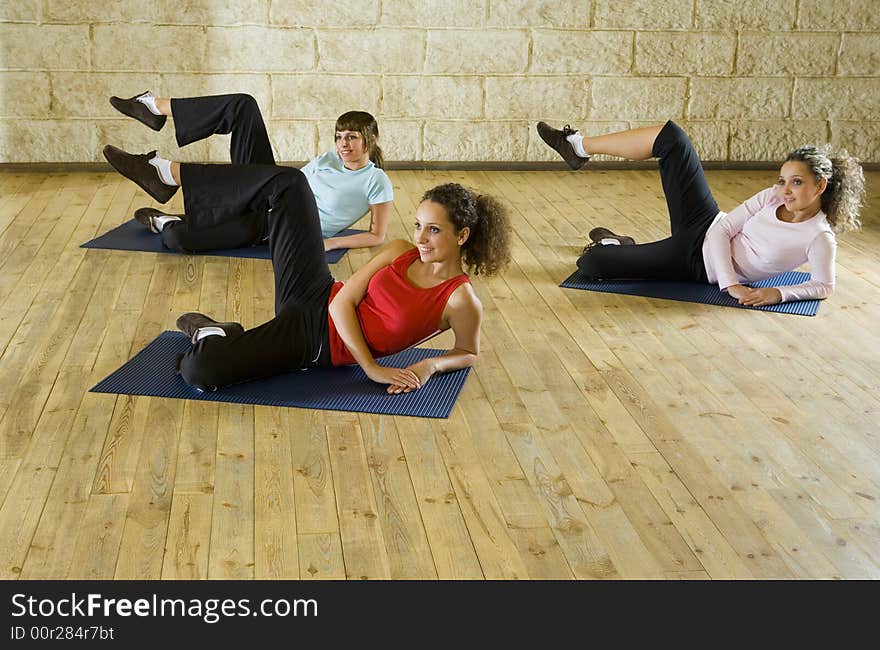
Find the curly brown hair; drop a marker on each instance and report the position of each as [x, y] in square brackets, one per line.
[487, 249]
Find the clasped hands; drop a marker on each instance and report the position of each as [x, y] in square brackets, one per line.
[402, 380]
[755, 297]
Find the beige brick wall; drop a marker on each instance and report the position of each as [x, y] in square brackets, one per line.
[449, 80]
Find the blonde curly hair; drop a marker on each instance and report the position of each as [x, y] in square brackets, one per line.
[844, 195]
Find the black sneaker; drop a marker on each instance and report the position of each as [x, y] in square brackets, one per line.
[137, 168]
[133, 108]
[146, 216]
[191, 322]
[557, 140]
[597, 235]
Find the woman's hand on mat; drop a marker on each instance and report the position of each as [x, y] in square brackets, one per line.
[738, 291]
[755, 297]
[423, 370]
[399, 380]
[761, 297]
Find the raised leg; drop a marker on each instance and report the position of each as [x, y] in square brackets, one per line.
[196, 118]
[296, 337]
[635, 144]
[215, 193]
[688, 197]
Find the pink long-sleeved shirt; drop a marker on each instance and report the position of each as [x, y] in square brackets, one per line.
[749, 243]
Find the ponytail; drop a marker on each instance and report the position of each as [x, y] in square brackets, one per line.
[376, 155]
[845, 193]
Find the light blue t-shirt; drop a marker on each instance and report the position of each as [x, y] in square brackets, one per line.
[344, 196]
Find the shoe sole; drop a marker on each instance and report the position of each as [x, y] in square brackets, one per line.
[598, 234]
[122, 106]
[145, 215]
[208, 322]
[137, 182]
[546, 131]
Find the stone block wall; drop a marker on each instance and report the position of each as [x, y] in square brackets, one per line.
[449, 80]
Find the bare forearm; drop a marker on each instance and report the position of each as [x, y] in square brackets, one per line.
[360, 240]
[455, 359]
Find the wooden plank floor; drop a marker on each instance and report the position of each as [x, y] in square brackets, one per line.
[600, 436]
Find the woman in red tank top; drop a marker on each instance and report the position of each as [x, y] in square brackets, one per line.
[405, 294]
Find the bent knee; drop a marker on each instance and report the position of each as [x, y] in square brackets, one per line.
[674, 139]
[292, 176]
[676, 133]
[246, 101]
[290, 179]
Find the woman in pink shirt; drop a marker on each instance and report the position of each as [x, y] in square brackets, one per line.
[773, 232]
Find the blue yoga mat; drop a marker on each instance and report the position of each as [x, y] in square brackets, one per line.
[134, 236]
[153, 372]
[696, 291]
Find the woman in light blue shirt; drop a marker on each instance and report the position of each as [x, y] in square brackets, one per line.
[346, 182]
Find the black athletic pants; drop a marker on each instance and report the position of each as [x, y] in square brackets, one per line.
[691, 211]
[209, 224]
[297, 337]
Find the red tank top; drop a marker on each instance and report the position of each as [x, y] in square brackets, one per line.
[394, 314]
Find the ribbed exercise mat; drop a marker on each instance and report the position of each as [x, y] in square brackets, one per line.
[135, 236]
[697, 291]
[153, 372]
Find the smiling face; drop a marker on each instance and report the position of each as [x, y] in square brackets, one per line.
[352, 149]
[798, 189]
[435, 234]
